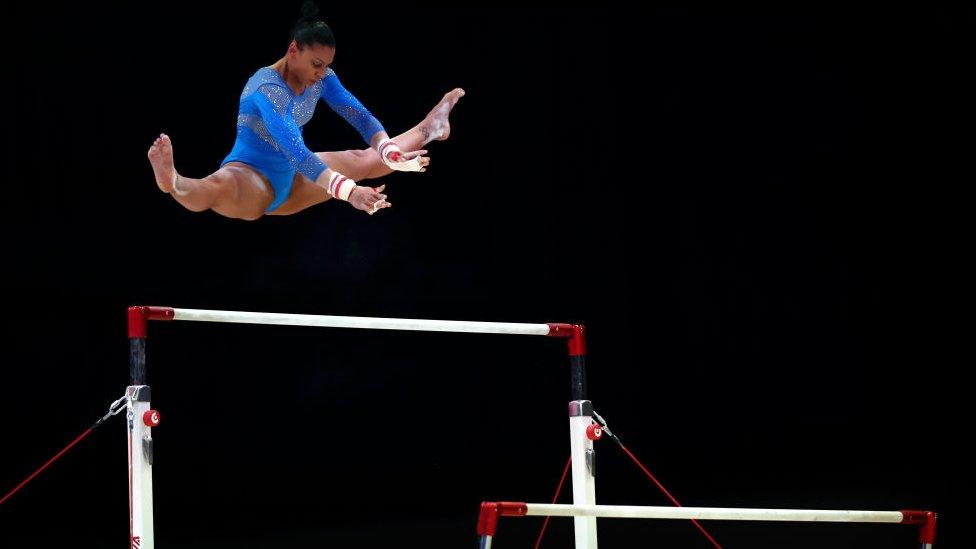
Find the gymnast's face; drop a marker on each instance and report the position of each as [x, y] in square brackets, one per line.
[309, 63]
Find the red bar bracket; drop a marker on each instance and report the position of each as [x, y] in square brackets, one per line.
[490, 511]
[926, 519]
[575, 333]
[139, 316]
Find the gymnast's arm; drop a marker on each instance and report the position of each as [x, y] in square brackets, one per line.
[288, 136]
[352, 110]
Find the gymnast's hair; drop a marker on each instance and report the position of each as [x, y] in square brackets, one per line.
[310, 29]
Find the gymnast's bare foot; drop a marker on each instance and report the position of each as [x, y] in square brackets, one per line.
[437, 126]
[161, 158]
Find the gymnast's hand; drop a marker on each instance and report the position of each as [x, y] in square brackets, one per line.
[397, 160]
[369, 199]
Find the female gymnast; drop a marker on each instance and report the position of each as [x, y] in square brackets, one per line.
[270, 170]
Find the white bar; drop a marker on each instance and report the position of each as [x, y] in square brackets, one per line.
[711, 513]
[364, 322]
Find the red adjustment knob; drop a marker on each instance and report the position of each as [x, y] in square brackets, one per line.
[151, 418]
[594, 432]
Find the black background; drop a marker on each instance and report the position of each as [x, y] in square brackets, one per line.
[754, 214]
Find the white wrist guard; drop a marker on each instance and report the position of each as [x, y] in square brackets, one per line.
[341, 186]
[392, 156]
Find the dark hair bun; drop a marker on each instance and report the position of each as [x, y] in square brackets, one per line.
[310, 10]
[310, 29]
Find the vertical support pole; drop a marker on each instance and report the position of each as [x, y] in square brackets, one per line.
[139, 421]
[583, 465]
[583, 457]
[927, 534]
[487, 523]
[137, 345]
[577, 363]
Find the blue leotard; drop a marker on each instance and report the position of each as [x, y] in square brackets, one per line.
[269, 127]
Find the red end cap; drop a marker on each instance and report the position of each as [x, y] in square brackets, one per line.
[138, 316]
[575, 334]
[151, 418]
[160, 313]
[560, 330]
[513, 508]
[925, 519]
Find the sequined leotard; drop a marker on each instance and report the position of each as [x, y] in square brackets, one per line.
[269, 127]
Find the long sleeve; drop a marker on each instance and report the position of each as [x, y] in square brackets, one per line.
[273, 102]
[347, 106]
